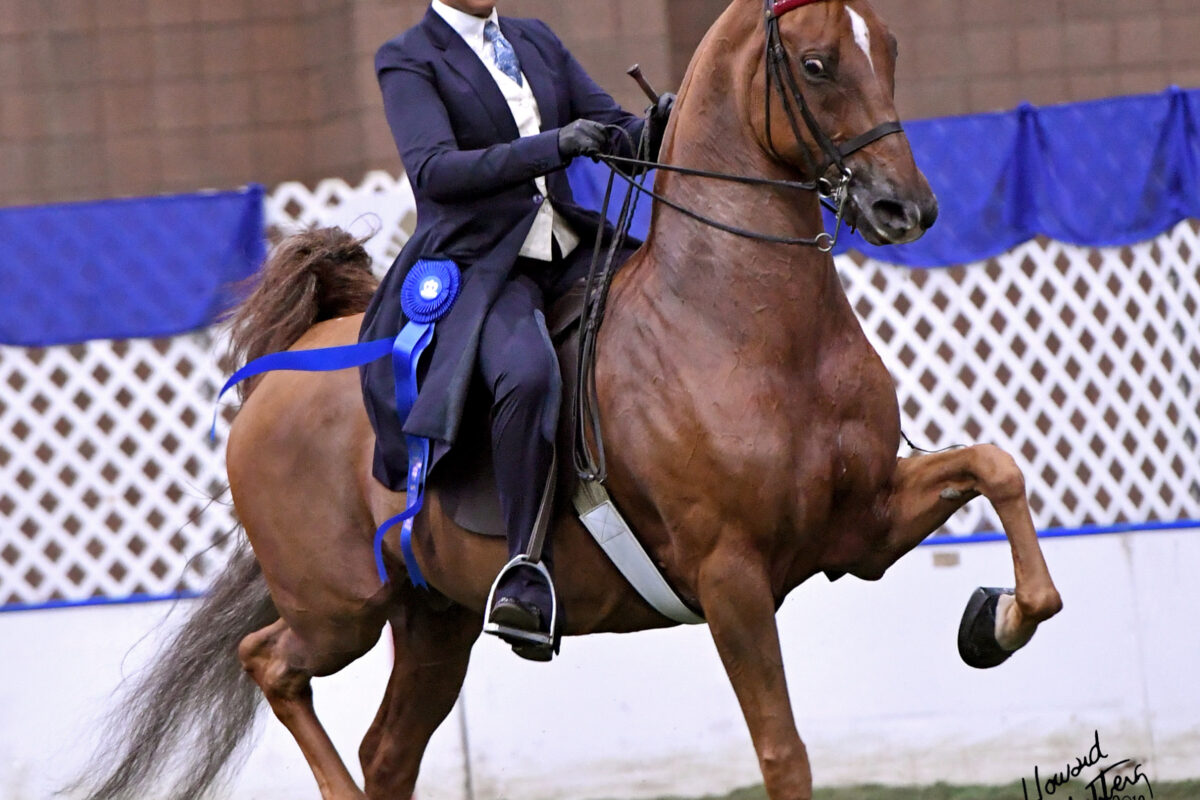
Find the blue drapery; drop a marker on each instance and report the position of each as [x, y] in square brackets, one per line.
[1105, 172]
[125, 268]
[1099, 173]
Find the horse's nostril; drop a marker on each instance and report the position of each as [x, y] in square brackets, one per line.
[893, 215]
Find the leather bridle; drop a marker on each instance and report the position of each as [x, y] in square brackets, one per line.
[781, 77]
[781, 80]
[835, 194]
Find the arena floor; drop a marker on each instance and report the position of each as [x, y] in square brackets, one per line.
[1176, 790]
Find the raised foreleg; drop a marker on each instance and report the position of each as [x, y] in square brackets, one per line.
[927, 489]
[735, 592]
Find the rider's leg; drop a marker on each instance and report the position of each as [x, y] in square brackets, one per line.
[520, 368]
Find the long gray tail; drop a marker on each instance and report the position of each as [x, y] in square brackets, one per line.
[179, 725]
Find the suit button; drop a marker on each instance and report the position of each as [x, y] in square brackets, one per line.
[537, 199]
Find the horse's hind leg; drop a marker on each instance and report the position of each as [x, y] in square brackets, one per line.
[433, 644]
[283, 664]
[927, 489]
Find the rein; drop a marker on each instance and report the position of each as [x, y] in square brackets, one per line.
[823, 241]
[781, 81]
[781, 76]
[834, 194]
[588, 466]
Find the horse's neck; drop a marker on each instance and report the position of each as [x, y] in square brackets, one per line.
[718, 273]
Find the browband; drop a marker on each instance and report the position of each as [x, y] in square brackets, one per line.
[781, 7]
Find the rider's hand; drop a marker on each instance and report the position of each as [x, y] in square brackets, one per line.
[583, 137]
[660, 114]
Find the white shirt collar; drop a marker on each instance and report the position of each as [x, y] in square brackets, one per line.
[468, 26]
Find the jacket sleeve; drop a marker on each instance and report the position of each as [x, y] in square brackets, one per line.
[435, 165]
[589, 101]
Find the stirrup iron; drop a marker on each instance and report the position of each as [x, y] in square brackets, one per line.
[532, 558]
[516, 636]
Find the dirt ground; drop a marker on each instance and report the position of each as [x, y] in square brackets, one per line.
[1182, 790]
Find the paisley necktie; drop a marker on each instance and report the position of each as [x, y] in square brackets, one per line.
[502, 52]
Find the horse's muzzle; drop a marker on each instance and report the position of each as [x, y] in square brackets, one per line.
[890, 218]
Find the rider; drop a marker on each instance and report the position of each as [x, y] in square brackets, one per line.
[486, 112]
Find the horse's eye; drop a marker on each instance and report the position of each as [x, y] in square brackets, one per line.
[814, 67]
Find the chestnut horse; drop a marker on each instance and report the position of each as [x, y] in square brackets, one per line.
[751, 429]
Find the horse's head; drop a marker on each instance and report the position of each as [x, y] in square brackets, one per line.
[822, 100]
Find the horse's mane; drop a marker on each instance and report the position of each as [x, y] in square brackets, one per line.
[312, 276]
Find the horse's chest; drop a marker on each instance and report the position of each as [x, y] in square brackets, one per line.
[860, 462]
[848, 436]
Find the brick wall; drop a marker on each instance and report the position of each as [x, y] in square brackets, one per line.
[103, 97]
[126, 97]
[960, 56]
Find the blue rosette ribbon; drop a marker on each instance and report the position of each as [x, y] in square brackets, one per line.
[428, 293]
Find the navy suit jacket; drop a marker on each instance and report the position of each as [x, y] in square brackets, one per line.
[473, 177]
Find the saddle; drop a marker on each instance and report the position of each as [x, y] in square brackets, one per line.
[465, 478]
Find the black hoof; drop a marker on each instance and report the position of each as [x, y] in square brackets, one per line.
[977, 632]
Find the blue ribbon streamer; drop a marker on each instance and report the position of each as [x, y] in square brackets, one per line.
[427, 295]
[418, 449]
[325, 359]
[406, 358]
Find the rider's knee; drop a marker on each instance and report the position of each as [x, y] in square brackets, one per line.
[531, 379]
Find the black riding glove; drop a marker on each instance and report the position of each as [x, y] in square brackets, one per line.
[583, 137]
[660, 114]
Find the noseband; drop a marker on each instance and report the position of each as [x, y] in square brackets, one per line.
[781, 78]
[589, 464]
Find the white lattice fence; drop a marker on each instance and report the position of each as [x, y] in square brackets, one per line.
[106, 468]
[106, 472]
[1084, 363]
[381, 207]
